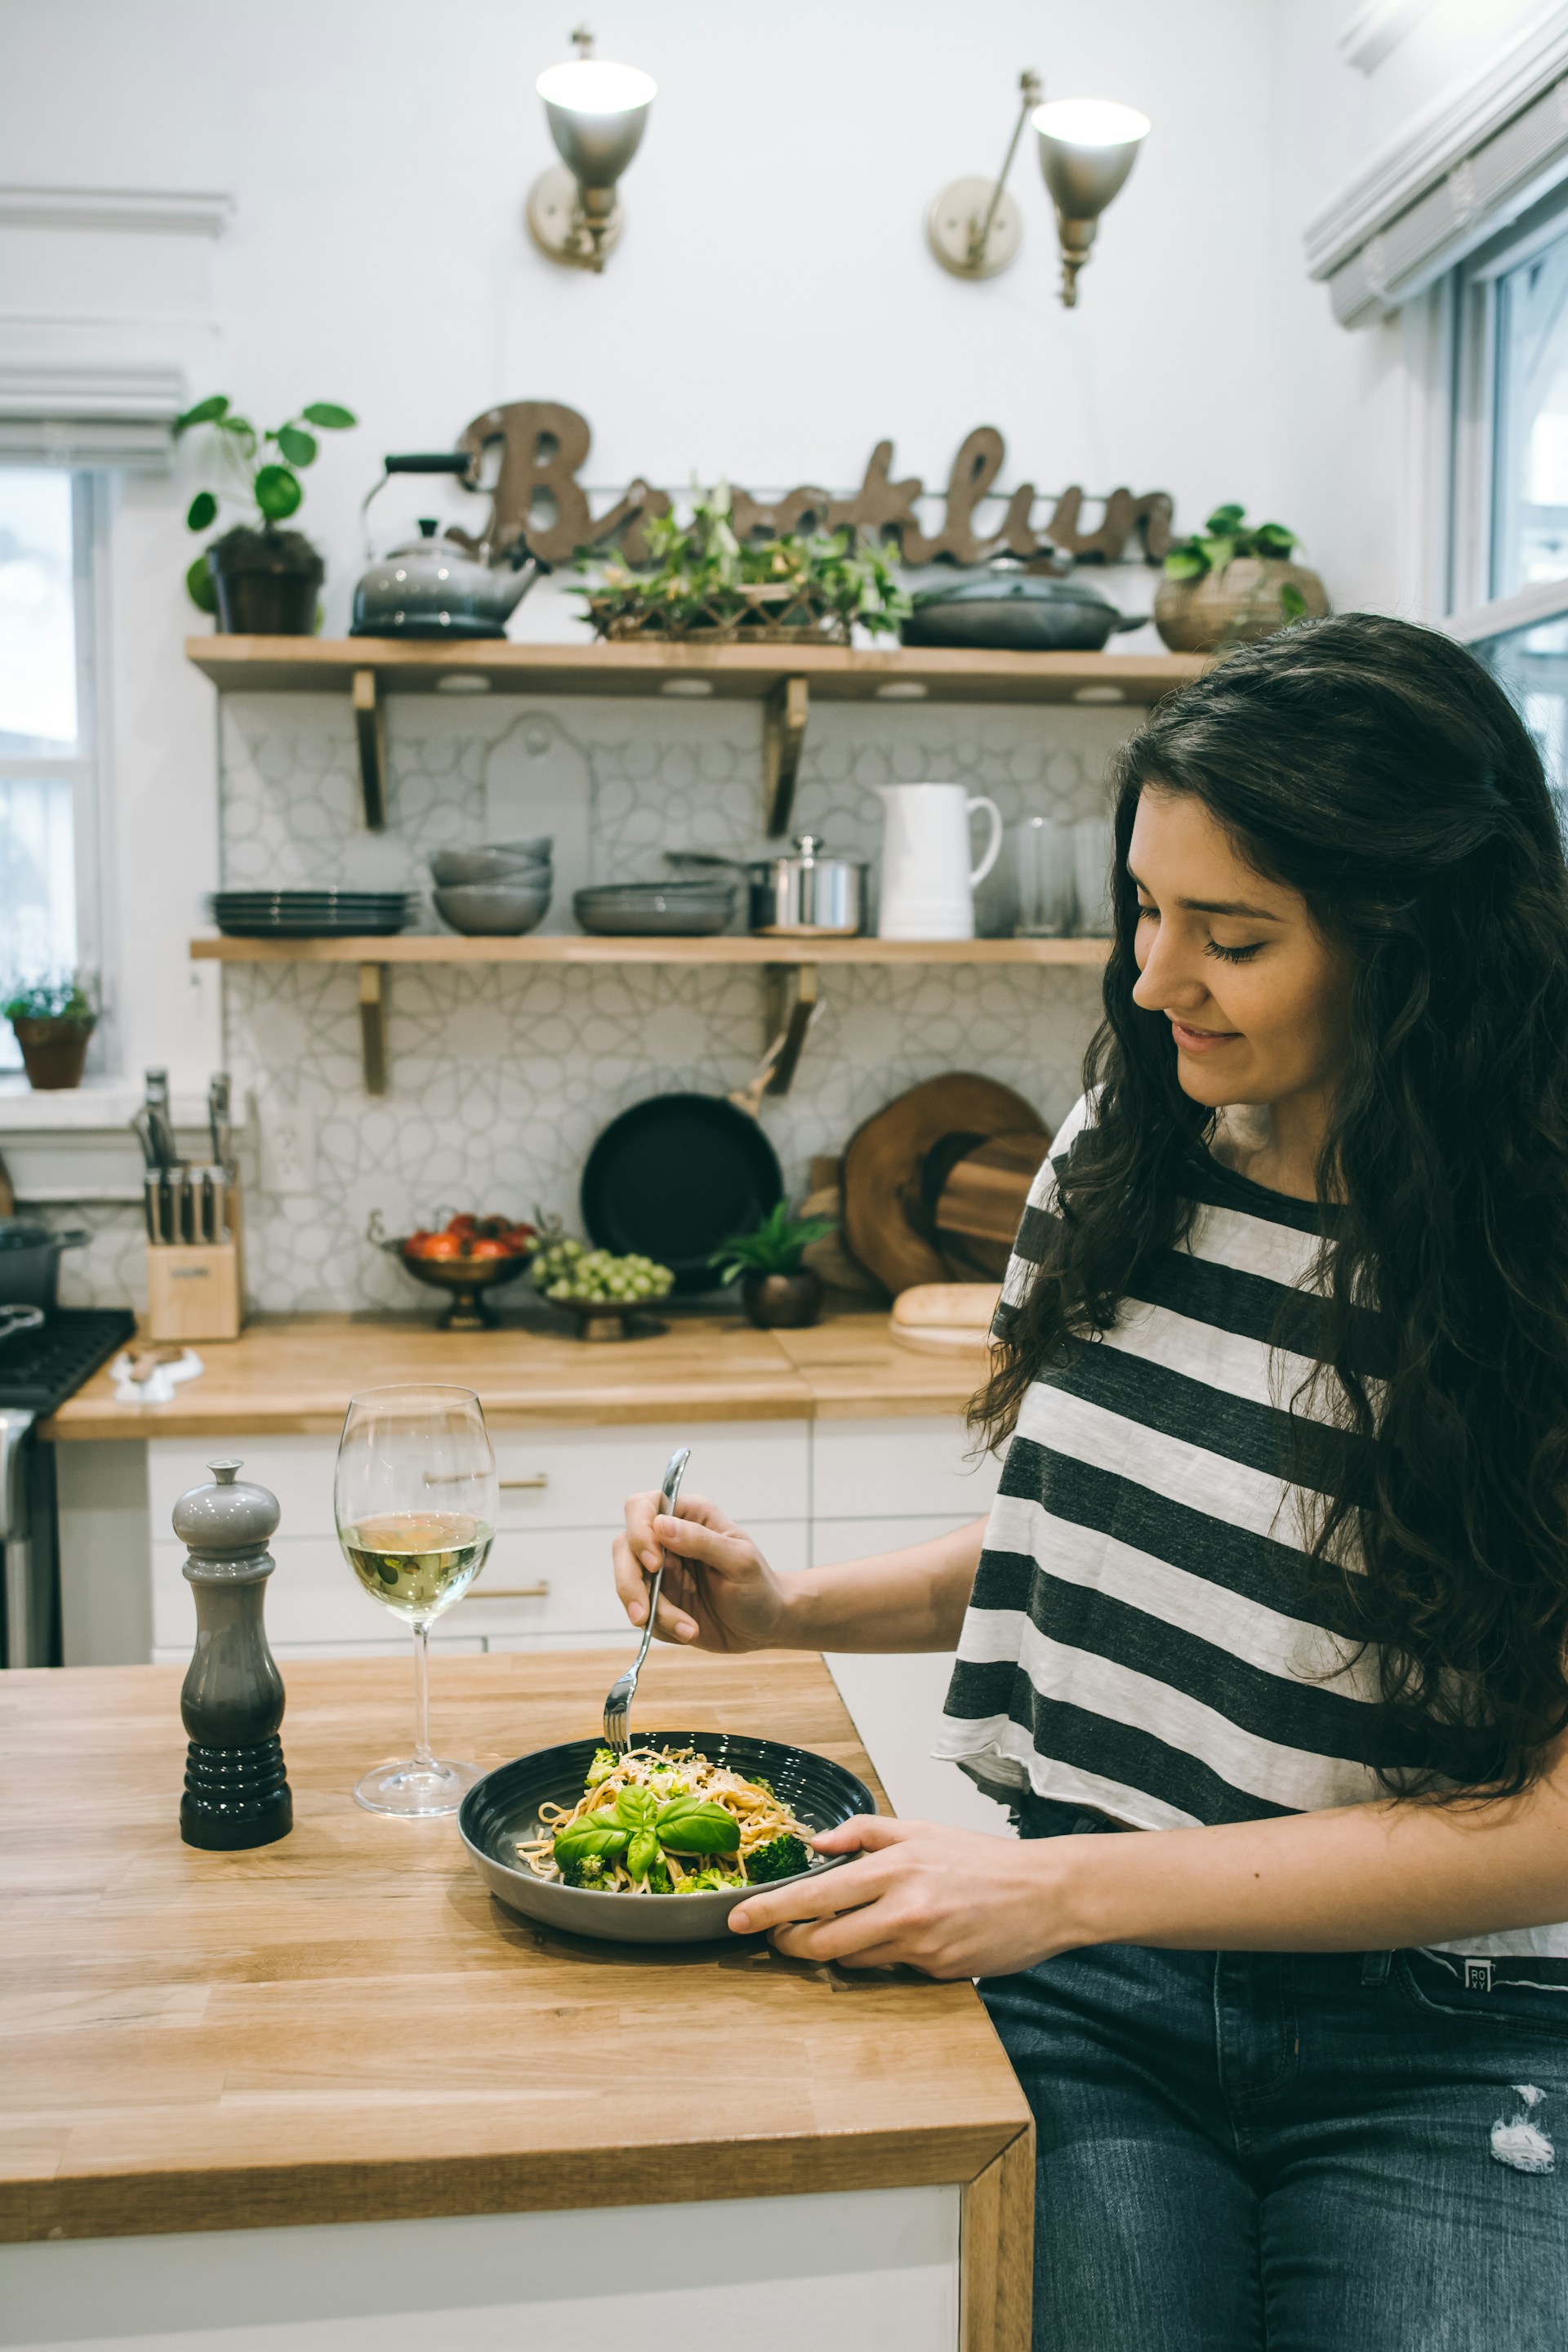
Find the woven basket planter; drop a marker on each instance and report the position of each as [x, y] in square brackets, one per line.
[753, 616]
[1233, 607]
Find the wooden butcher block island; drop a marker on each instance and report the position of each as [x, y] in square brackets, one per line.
[291, 2097]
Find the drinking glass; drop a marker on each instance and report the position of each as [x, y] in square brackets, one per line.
[1045, 878]
[415, 1501]
[1094, 845]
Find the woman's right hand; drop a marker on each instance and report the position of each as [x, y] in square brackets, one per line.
[718, 1593]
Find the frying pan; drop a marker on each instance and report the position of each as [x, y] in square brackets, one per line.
[674, 1177]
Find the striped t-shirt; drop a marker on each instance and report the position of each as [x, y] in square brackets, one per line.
[1143, 1638]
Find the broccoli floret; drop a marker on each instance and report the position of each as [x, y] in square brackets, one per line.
[659, 1878]
[587, 1870]
[706, 1882]
[603, 1764]
[781, 1857]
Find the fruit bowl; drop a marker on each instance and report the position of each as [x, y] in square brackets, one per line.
[474, 1263]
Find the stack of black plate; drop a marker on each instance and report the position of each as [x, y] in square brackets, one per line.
[311, 914]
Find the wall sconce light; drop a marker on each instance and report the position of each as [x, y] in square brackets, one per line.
[597, 113]
[1088, 147]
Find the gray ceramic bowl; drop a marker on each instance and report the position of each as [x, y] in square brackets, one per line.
[504, 1807]
[657, 909]
[494, 910]
[454, 868]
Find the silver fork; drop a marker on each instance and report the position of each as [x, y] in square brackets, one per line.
[617, 1706]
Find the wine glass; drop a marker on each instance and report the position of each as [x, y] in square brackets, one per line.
[416, 1498]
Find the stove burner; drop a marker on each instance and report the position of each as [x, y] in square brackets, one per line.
[39, 1369]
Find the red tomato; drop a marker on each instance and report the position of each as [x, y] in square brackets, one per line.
[432, 1246]
[463, 1226]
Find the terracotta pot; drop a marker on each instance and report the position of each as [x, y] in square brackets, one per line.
[782, 1302]
[1233, 607]
[53, 1052]
[267, 582]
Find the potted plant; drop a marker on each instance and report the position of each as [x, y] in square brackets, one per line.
[705, 584]
[778, 1290]
[53, 1020]
[259, 581]
[1232, 582]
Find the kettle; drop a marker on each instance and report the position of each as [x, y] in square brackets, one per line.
[431, 587]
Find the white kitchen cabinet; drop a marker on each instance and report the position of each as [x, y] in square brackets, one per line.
[899, 1469]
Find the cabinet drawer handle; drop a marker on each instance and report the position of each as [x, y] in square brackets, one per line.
[535, 1479]
[539, 1592]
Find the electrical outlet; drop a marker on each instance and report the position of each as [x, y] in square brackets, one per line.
[288, 1149]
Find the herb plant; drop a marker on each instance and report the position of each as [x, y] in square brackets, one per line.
[1227, 535]
[269, 484]
[777, 1247]
[700, 569]
[51, 1000]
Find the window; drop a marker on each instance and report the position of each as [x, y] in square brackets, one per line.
[49, 535]
[1508, 554]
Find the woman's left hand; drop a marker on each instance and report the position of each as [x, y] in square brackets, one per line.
[954, 1903]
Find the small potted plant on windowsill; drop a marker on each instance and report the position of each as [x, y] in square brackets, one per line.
[778, 1290]
[53, 1020]
[259, 581]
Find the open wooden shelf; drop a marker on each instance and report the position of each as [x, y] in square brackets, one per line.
[733, 673]
[419, 947]
[789, 966]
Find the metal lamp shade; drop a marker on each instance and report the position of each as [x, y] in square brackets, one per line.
[597, 113]
[1088, 149]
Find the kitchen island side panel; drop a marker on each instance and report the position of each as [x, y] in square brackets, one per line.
[840, 2273]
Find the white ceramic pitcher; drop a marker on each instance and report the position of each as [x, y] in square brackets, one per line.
[927, 879]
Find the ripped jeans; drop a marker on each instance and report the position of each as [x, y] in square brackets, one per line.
[1289, 2151]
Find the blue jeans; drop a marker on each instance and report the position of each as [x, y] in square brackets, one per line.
[1301, 2151]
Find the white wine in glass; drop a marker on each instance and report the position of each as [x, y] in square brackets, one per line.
[416, 1503]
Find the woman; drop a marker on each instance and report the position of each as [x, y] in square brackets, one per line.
[1278, 1573]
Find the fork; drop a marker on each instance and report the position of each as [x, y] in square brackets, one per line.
[617, 1706]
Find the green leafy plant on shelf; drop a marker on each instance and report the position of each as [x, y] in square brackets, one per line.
[1226, 536]
[263, 470]
[777, 1245]
[704, 581]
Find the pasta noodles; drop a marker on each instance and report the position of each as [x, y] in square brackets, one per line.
[657, 1821]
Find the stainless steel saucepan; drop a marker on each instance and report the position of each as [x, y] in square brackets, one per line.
[803, 892]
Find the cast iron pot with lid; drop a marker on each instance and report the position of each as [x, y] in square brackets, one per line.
[431, 587]
[1017, 612]
[30, 1261]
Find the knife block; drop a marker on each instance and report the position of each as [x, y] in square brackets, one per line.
[196, 1290]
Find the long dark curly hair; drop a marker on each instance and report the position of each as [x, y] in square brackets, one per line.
[1378, 769]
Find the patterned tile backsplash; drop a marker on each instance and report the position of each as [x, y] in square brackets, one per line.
[501, 1076]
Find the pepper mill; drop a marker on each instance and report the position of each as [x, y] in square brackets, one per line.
[236, 1791]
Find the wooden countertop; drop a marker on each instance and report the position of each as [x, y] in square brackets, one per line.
[344, 2026]
[293, 1376]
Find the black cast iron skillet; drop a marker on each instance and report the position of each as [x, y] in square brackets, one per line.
[674, 1177]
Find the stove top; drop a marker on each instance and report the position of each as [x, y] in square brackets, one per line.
[41, 1367]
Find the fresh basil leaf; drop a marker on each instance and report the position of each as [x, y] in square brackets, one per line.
[692, 1825]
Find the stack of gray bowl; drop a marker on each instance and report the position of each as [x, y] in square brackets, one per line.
[496, 891]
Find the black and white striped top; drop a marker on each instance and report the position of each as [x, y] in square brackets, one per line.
[1141, 1638]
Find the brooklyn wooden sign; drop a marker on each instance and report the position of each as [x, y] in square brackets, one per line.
[539, 448]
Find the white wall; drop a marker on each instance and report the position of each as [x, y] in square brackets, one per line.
[773, 310]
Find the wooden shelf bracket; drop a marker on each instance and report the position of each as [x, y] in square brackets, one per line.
[784, 714]
[373, 1025]
[370, 727]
